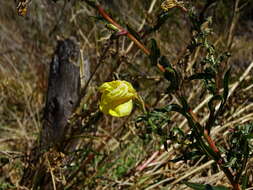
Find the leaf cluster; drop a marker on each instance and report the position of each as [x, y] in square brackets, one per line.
[215, 82]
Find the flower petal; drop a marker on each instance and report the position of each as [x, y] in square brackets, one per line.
[122, 109]
[116, 98]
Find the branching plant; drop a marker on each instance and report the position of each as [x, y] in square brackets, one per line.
[213, 73]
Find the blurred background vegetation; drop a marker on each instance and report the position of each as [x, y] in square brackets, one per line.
[112, 155]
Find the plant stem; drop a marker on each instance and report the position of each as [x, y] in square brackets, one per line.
[220, 161]
[109, 19]
[105, 15]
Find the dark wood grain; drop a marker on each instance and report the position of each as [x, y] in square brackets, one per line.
[63, 91]
[62, 98]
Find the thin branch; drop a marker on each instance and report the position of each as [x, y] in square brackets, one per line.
[109, 19]
[142, 24]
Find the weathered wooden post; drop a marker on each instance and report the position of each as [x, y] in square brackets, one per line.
[63, 92]
[62, 98]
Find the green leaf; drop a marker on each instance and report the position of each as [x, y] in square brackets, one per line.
[197, 186]
[187, 156]
[92, 3]
[184, 103]
[206, 76]
[165, 63]
[133, 32]
[161, 20]
[179, 131]
[155, 52]
[211, 87]
[171, 107]
[225, 84]
[250, 136]
[165, 144]
[212, 115]
[170, 74]
[98, 18]
[245, 180]
[231, 162]
[211, 102]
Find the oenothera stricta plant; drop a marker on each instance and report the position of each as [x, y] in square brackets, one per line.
[211, 70]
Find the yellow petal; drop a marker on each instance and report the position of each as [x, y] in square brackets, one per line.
[105, 87]
[104, 107]
[122, 109]
[116, 98]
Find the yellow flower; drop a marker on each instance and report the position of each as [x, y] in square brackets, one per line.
[117, 98]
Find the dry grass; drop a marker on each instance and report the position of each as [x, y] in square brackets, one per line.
[26, 46]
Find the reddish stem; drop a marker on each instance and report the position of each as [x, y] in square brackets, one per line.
[105, 15]
[109, 19]
[220, 162]
[210, 142]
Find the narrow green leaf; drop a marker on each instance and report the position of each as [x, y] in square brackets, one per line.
[92, 3]
[161, 20]
[171, 107]
[187, 156]
[165, 144]
[133, 32]
[225, 84]
[165, 63]
[250, 136]
[155, 52]
[212, 115]
[179, 131]
[245, 180]
[184, 103]
[170, 74]
[206, 76]
[231, 162]
[211, 87]
[211, 102]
